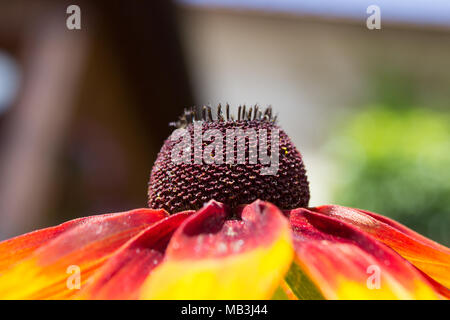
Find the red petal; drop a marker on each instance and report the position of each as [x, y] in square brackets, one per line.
[122, 275]
[210, 257]
[344, 262]
[38, 266]
[427, 255]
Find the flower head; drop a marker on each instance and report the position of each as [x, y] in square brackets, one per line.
[254, 238]
[228, 160]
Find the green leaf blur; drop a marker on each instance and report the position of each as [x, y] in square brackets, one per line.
[396, 162]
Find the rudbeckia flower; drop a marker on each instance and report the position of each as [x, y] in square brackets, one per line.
[238, 228]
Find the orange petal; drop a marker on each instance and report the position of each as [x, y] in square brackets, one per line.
[17, 248]
[42, 262]
[427, 255]
[346, 263]
[210, 257]
[123, 274]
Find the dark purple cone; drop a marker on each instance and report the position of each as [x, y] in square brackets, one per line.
[178, 187]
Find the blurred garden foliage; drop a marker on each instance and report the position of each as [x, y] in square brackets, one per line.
[396, 162]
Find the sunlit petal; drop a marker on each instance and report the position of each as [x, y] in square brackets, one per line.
[123, 274]
[427, 255]
[346, 263]
[46, 259]
[210, 257]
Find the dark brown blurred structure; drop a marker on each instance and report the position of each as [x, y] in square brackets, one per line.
[92, 110]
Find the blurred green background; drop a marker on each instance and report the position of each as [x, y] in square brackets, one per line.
[393, 158]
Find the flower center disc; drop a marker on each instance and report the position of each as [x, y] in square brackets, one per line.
[228, 160]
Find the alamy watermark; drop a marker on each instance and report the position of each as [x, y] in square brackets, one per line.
[236, 150]
[374, 20]
[73, 21]
[74, 280]
[374, 280]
